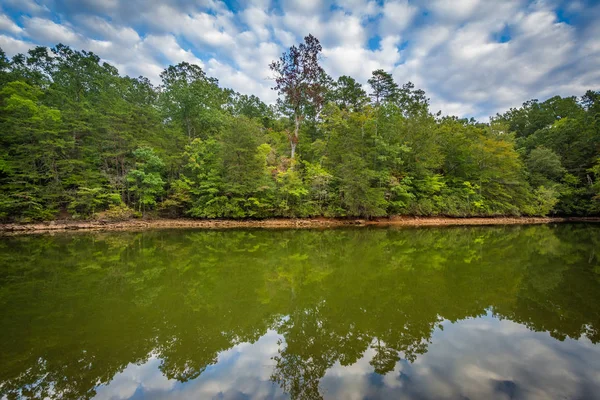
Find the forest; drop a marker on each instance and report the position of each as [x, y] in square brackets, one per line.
[80, 141]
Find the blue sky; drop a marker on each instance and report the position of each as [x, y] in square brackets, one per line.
[472, 57]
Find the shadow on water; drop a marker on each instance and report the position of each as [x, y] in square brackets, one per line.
[392, 306]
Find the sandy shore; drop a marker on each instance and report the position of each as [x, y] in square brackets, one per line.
[141, 224]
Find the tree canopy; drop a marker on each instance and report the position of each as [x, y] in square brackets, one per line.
[81, 141]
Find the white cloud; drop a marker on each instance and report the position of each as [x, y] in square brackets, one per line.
[450, 49]
[359, 62]
[497, 357]
[257, 19]
[7, 25]
[344, 29]
[99, 27]
[167, 46]
[229, 77]
[48, 31]
[146, 377]
[302, 6]
[457, 10]
[463, 67]
[285, 37]
[397, 15]
[242, 371]
[12, 46]
[361, 8]
[31, 7]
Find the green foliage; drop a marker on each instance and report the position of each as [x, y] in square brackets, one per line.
[560, 139]
[145, 181]
[119, 212]
[347, 93]
[192, 100]
[81, 309]
[546, 198]
[595, 170]
[545, 166]
[318, 181]
[179, 198]
[383, 87]
[78, 139]
[89, 200]
[292, 199]
[204, 174]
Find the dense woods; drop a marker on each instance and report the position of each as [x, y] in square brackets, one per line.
[78, 140]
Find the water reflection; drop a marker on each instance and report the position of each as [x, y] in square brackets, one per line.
[474, 312]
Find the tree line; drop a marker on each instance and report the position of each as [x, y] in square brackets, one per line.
[81, 141]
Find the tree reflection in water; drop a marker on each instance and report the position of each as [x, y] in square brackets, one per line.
[78, 309]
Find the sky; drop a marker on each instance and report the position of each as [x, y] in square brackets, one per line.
[496, 356]
[473, 58]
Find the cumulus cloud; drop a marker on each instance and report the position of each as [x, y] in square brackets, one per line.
[36, 27]
[472, 57]
[499, 359]
[397, 16]
[241, 372]
[7, 25]
[30, 7]
[12, 46]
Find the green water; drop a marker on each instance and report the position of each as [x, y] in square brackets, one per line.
[429, 313]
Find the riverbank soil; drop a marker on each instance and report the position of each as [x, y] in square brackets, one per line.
[142, 224]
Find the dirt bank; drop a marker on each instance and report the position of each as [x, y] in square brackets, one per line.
[140, 224]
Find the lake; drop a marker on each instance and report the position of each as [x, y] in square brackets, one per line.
[505, 312]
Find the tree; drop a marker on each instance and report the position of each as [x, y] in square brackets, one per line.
[348, 94]
[245, 181]
[77, 137]
[250, 107]
[33, 175]
[595, 186]
[191, 99]
[145, 182]
[359, 192]
[591, 102]
[383, 87]
[5, 69]
[545, 166]
[411, 101]
[203, 177]
[298, 80]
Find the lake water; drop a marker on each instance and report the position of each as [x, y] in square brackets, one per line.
[366, 313]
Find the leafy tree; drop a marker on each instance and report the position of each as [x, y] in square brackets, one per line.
[5, 69]
[298, 77]
[145, 181]
[245, 179]
[191, 99]
[358, 191]
[33, 173]
[203, 176]
[545, 166]
[411, 101]
[383, 87]
[251, 107]
[348, 94]
[79, 140]
[595, 170]
[88, 201]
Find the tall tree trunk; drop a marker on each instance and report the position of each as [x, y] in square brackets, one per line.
[294, 139]
[189, 129]
[293, 146]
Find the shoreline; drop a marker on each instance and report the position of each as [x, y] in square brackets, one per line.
[322, 222]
